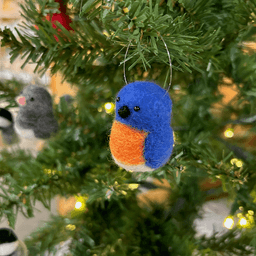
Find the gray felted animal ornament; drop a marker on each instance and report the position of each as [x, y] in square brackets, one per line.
[35, 118]
[9, 135]
[10, 245]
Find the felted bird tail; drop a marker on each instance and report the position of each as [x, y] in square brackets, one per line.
[10, 245]
[9, 135]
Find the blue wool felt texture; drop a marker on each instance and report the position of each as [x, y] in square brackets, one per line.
[153, 117]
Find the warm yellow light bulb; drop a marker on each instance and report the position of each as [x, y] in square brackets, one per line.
[229, 133]
[133, 186]
[123, 192]
[125, 10]
[109, 107]
[243, 222]
[228, 222]
[78, 205]
[70, 227]
[239, 163]
[50, 172]
[233, 161]
[106, 33]
[251, 212]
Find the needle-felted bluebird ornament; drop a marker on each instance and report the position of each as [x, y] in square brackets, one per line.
[141, 137]
[7, 127]
[10, 245]
[35, 118]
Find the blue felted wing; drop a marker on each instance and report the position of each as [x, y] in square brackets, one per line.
[158, 147]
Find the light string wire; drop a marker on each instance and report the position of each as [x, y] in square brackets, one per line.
[169, 58]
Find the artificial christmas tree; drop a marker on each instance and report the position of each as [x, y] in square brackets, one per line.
[60, 17]
[206, 42]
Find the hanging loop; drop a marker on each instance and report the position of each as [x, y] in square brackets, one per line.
[126, 60]
[169, 58]
[170, 61]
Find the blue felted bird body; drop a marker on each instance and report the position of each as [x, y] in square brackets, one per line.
[141, 137]
[35, 118]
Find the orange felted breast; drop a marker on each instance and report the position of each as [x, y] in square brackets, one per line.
[127, 144]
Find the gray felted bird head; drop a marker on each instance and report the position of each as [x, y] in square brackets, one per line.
[34, 100]
[10, 245]
[35, 118]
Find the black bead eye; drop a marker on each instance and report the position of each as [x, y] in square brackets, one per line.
[32, 99]
[118, 99]
[136, 108]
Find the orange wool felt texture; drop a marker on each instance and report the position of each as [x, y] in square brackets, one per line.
[130, 140]
[141, 136]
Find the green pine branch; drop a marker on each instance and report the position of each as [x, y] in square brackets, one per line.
[205, 43]
[232, 242]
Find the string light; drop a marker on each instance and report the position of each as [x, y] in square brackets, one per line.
[106, 33]
[52, 172]
[251, 212]
[78, 205]
[239, 215]
[71, 227]
[243, 222]
[233, 161]
[229, 133]
[133, 186]
[250, 217]
[228, 222]
[49, 171]
[123, 192]
[237, 162]
[125, 10]
[174, 138]
[109, 107]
